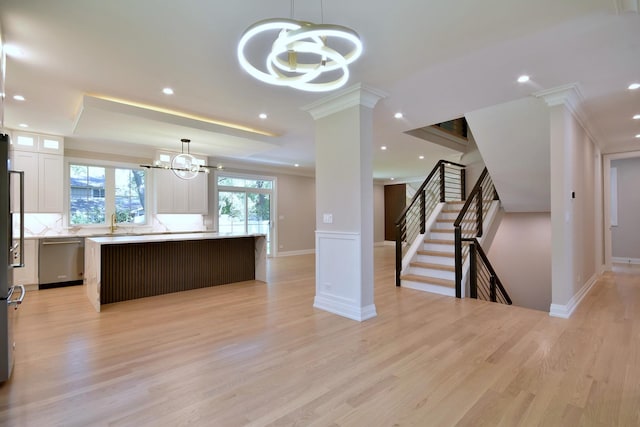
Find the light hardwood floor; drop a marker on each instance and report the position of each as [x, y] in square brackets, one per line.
[260, 354]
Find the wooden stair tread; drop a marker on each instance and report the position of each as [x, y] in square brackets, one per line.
[439, 241]
[432, 266]
[451, 221]
[436, 253]
[428, 280]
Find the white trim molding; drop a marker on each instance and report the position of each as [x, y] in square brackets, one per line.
[565, 311]
[339, 275]
[358, 94]
[622, 260]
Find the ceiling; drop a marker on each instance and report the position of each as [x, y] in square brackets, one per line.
[436, 60]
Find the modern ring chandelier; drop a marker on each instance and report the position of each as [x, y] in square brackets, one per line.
[300, 55]
[183, 165]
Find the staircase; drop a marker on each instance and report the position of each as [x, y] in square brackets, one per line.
[438, 239]
[432, 269]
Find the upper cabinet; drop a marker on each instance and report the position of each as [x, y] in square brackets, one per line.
[42, 160]
[34, 142]
[175, 195]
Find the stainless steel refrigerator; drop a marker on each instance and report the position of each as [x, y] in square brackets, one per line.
[12, 251]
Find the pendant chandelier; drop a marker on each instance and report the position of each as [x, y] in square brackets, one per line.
[183, 165]
[305, 56]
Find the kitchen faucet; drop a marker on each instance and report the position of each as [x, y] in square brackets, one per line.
[113, 226]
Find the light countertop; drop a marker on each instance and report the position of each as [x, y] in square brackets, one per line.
[143, 238]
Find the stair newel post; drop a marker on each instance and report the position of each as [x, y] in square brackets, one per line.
[442, 192]
[423, 210]
[492, 288]
[463, 185]
[458, 257]
[479, 213]
[398, 252]
[473, 272]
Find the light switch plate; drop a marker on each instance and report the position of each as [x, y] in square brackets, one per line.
[327, 218]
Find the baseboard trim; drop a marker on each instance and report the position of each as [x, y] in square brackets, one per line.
[565, 311]
[389, 243]
[621, 260]
[295, 253]
[345, 310]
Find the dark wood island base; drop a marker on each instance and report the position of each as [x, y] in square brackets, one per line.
[133, 267]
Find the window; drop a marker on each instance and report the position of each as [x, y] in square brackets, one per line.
[97, 192]
[245, 205]
[231, 181]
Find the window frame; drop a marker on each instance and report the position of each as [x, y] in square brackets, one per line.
[273, 202]
[109, 189]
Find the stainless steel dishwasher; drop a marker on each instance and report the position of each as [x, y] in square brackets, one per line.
[60, 262]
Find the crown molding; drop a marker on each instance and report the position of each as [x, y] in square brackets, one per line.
[571, 97]
[358, 94]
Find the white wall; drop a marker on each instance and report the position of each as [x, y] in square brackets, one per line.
[521, 255]
[576, 206]
[514, 141]
[474, 163]
[296, 213]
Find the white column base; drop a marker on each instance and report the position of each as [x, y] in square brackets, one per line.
[339, 276]
[344, 308]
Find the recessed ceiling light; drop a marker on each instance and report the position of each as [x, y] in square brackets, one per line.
[523, 78]
[18, 97]
[421, 157]
[296, 165]
[638, 135]
[262, 116]
[398, 115]
[384, 147]
[636, 117]
[13, 50]
[23, 125]
[634, 86]
[167, 91]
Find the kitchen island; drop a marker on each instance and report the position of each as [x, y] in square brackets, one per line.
[120, 268]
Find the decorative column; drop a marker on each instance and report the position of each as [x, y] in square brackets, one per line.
[576, 237]
[344, 201]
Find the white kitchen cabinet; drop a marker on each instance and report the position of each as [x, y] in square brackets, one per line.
[41, 158]
[28, 275]
[27, 162]
[198, 194]
[179, 196]
[50, 180]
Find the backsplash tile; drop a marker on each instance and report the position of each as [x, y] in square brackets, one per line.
[52, 225]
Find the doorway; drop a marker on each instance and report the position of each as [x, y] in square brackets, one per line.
[245, 205]
[611, 200]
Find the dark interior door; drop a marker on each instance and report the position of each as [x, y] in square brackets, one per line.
[395, 197]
